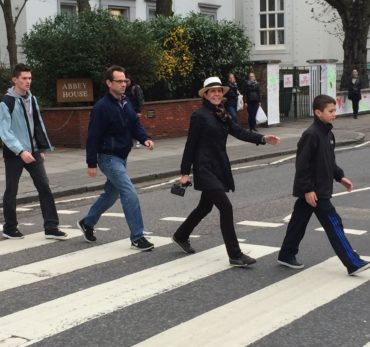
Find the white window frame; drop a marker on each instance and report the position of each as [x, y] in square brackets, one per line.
[120, 4]
[209, 10]
[267, 29]
[150, 6]
[69, 3]
[127, 10]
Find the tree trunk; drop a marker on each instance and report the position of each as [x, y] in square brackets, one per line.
[83, 5]
[10, 33]
[355, 17]
[164, 8]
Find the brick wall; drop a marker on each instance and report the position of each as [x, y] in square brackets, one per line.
[162, 119]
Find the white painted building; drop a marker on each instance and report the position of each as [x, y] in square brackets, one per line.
[278, 29]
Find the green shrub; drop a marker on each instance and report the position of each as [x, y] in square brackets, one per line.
[84, 46]
[4, 80]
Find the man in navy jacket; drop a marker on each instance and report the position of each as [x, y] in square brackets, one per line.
[113, 125]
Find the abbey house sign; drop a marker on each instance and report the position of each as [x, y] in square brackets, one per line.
[74, 90]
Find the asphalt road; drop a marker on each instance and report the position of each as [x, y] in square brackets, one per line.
[132, 299]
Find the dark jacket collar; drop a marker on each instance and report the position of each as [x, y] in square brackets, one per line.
[325, 127]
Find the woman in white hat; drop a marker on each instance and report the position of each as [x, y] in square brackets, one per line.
[205, 151]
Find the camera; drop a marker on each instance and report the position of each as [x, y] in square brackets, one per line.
[179, 189]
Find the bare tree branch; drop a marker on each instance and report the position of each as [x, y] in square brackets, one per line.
[19, 12]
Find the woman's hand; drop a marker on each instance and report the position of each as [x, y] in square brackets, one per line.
[272, 139]
[185, 179]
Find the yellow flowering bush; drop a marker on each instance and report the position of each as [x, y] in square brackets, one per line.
[176, 57]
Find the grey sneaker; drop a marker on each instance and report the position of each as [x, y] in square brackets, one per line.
[142, 244]
[242, 261]
[363, 267]
[184, 245]
[291, 263]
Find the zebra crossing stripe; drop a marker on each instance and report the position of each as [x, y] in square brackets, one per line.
[278, 304]
[33, 240]
[254, 223]
[33, 324]
[348, 231]
[66, 263]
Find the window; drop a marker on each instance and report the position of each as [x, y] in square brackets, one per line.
[150, 10]
[68, 7]
[123, 12]
[208, 10]
[271, 18]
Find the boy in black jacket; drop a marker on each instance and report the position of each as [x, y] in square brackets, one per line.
[313, 186]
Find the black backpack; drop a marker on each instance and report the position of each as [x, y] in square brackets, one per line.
[10, 102]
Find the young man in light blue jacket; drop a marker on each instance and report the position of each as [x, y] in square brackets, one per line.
[24, 142]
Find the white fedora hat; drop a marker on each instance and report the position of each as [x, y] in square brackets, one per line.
[212, 82]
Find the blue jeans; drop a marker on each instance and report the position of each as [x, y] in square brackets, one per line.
[118, 184]
[233, 113]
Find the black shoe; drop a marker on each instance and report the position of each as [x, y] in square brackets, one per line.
[184, 245]
[291, 263]
[242, 261]
[55, 234]
[87, 230]
[142, 244]
[355, 116]
[363, 267]
[14, 235]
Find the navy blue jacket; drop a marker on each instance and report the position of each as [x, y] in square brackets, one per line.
[113, 125]
[316, 167]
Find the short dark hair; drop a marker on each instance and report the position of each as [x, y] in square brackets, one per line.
[109, 72]
[19, 68]
[321, 101]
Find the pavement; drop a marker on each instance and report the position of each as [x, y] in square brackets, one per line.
[66, 167]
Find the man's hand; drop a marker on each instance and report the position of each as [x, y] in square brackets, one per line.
[311, 199]
[149, 144]
[42, 155]
[91, 171]
[27, 157]
[272, 139]
[347, 184]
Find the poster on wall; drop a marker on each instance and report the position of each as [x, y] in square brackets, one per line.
[288, 81]
[304, 79]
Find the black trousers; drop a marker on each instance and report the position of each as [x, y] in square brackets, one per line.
[332, 224]
[13, 171]
[355, 103]
[252, 111]
[222, 202]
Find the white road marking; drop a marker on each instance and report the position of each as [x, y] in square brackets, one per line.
[348, 231]
[174, 219]
[27, 224]
[161, 184]
[32, 240]
[68, 212]
[195, 236]
[247, 166]
[367, 345]
[351, 147]
[277, 304]
[65, 226]
[147, 232]
[66, 263]
[353, 191]
[242, 240]
[23, 209]
[67, 200]
[287, 218]
[260, 224]
[75, 309]
[103, 229]
[114, 214]
[282, 160]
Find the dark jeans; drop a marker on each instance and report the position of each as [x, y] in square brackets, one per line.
[252, 111]
[222, 202]
[332, 224]
[355, 103]
[13, 171]
[233, 113]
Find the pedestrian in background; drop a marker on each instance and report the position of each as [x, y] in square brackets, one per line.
[252, 99]
[135, 94]
[313, 186]
[112, 128]
[25, 140]
[231, 96]
[354, 92]
[205, 151]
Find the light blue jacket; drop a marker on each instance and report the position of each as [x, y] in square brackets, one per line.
[15, 129]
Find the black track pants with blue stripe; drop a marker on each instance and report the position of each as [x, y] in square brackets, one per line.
[332, 224]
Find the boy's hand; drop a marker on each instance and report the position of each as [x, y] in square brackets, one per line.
[149, 144]
[311, 199]
[347, 184]
[272, 139]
